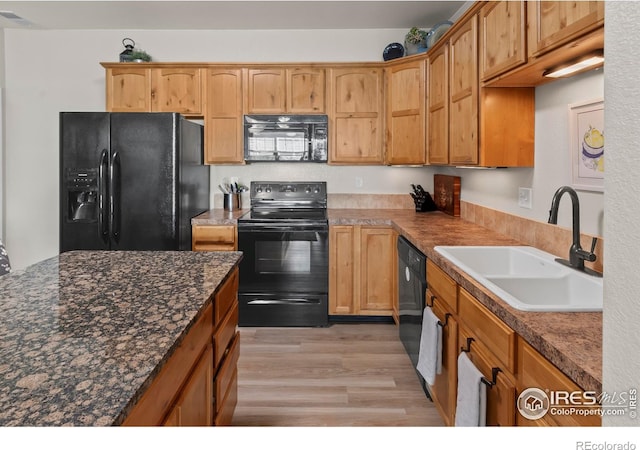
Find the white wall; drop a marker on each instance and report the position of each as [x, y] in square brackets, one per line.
[2, 164]
[622, 204]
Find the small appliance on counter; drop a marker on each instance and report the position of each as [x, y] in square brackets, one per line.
[422, 199]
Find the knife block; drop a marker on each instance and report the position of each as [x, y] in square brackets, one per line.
[425, 203]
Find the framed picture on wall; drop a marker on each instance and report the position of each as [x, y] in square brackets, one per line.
[586, 125]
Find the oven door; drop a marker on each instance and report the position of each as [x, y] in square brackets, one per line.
[284, 274]
[284, 258]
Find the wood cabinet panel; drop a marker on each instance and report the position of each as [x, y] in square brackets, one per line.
[535, 371]
[501, 397]
[494, 334]
[356, 116]
[228, 370]
[225, 332]
[223, 116]
[554, 23]
[305, 91]
[444, 386]
[214, 237]
[502, 37]
[128, 89]
[342, 282]
[377, 266]
[226, 297]
[442, 286]
[406, 113]
[194, 407]
[438, 107]
[266, 91]
[463, 94]
[177, 89]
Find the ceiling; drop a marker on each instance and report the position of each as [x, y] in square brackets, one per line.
[236, 15]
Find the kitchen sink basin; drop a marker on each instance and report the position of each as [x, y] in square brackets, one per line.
[527, 278]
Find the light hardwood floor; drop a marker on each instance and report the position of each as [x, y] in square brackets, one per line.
[342, 375]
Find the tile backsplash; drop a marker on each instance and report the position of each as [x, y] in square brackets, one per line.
[370, 201]
[550, 238]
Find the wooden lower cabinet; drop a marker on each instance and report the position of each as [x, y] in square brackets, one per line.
[198, 384]
[214, 237]
[535, 371]
[443, 390]
[362, 270]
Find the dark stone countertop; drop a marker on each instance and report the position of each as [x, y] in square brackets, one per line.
[572, 341]
[83, 334]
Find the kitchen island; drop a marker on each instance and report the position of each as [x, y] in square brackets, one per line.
[85, 334]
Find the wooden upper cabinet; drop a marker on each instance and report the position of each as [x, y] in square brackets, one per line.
[305, 90]
[223, 116]
[552, 24]
[266, 91]
[128, 89]
[177, 89]
[278, 90]
[438, 106]
[405, 113]
[502, 37]
[463, 94]
[356, 115]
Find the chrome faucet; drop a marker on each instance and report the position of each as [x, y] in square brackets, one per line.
[577, 256]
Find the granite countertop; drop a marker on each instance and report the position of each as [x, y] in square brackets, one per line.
[83, 334]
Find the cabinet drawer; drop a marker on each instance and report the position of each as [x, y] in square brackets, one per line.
[535, 371]
[224, 416]
[441, 285]
[226, 373]
[223, 335]
[211, 238]
[225, 298]
[485, 327]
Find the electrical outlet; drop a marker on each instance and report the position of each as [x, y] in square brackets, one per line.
[525, 197]
[359, 182]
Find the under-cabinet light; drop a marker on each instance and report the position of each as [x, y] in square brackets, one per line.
[586, 62]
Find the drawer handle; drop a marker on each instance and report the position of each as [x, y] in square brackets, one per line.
[446, 320]
[494, 376]
[433, 299]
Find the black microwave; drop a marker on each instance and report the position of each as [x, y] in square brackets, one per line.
[285, 138]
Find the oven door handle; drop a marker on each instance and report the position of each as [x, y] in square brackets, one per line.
[281, 228]
[288, 301]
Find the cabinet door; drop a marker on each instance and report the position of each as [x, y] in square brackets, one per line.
[305, 91]
[378, 263]
[128, 89]
[405, 113]
[438, 106]
[463, 94]
[443, 389]
[501, 397]
[223, 117]
[177, 89]
[502, 37]
[553, 23]
[342, 287]
[213, 237]
[195, 405]
[266, 91]
[356, 116]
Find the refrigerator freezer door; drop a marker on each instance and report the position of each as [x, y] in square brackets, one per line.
[145, 180]
[84, 137]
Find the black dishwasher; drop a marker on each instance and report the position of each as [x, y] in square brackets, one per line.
[412, 287]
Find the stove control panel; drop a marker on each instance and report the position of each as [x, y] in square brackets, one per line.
[292, 191]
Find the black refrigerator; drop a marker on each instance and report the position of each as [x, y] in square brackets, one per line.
[130, 181]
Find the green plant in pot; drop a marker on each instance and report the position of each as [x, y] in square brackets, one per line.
[139, 55]
[415, 41]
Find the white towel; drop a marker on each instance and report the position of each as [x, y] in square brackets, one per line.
[471, 406]
[430, 355]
